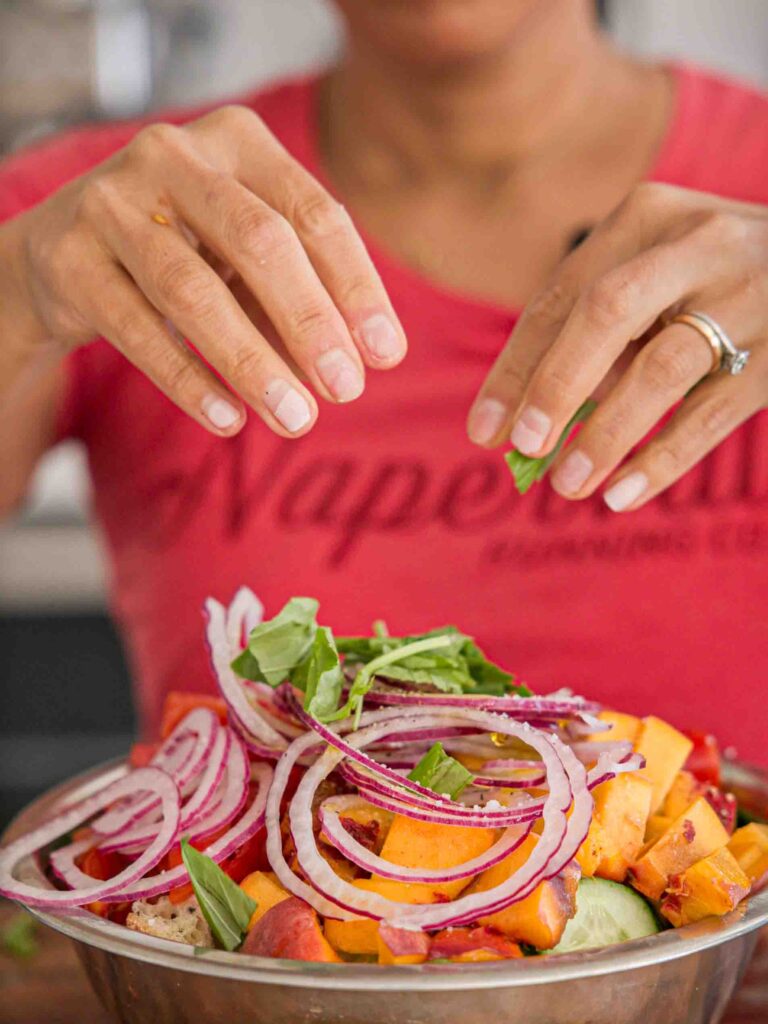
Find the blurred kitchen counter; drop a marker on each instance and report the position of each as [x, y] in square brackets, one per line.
[51, 986]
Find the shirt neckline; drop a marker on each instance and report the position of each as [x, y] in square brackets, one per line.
[668, 155]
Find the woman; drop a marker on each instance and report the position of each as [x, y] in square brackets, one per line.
[473, 144]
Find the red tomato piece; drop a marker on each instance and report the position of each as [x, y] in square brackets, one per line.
[141, 754]
[704, 760]
[173, 859]
[178, 704]
[102, 866]
[467, 943]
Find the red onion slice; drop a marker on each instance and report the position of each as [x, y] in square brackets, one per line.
[219, 797]
[277, 860]
[349, 749]
[182, 756]
[381, 795]
[62, 862]
[251, 822]
[524, 708]
[244, 613]
[221, 654]
[567, 782]
[142, 779]
[349, 847]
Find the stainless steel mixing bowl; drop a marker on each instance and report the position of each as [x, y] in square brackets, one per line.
[678, 977]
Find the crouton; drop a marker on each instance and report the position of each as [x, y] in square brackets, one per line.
[179, 922]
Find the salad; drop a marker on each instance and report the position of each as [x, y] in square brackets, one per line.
[392, 799]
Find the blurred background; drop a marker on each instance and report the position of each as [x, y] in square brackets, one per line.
[64, 689]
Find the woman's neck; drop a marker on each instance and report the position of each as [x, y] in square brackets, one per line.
[405, 125]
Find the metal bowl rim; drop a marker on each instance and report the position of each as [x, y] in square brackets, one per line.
[116, 939]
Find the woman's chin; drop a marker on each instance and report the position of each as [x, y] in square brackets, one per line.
[435, 33]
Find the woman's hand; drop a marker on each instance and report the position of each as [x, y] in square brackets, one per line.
[600, 327]
[144, 248]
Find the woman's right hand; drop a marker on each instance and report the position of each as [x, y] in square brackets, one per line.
[142, 250]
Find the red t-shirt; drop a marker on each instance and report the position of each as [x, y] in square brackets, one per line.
[385, 510]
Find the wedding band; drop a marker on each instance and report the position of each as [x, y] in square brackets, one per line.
[725, 355]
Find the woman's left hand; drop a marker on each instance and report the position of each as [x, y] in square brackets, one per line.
[601, 327]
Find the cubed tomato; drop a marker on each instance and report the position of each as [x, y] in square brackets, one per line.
[173, 859]
[102, 866]
[141, 754]
[704, 760]
[474, 943]
[178, 704]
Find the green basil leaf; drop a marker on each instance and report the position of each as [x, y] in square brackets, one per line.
[224, 905]
[276, 647]
[528, 471]
[441, 773]
[323, 676]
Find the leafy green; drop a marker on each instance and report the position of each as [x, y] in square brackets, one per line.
[441, 773]
[292, 646]
[528, 471]
[458, 667]
[324, 678]
[363, 681]
[18, 937]
[224, 905]
[276, 647]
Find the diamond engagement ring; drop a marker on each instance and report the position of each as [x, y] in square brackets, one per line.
[725, 355]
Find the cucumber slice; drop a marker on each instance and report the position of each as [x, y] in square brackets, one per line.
[606, 913]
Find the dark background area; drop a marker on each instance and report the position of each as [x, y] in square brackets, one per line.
[65, 701]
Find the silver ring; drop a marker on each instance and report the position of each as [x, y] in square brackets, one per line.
[733, 359]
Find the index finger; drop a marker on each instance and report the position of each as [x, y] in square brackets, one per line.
[616, 308]
[621, 236]
[334, 246]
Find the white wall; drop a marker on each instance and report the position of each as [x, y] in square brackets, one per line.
[260, 39]
[730, 35]
[253, 41]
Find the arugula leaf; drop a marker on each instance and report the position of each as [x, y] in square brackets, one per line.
[441, 773]
[364, 679]
[441, 673]
[324, 678]
[276, 647]
[459, 667]
[489, 677]
[293, 646]
[528, 471]
[224, 905]
[18, 937]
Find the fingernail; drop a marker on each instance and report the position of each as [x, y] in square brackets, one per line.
[625, 492]
[340, 374]
[573, 474]
[221, 413]
[485, 420]
[531, 430]
[380, 337]
[288, 405]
